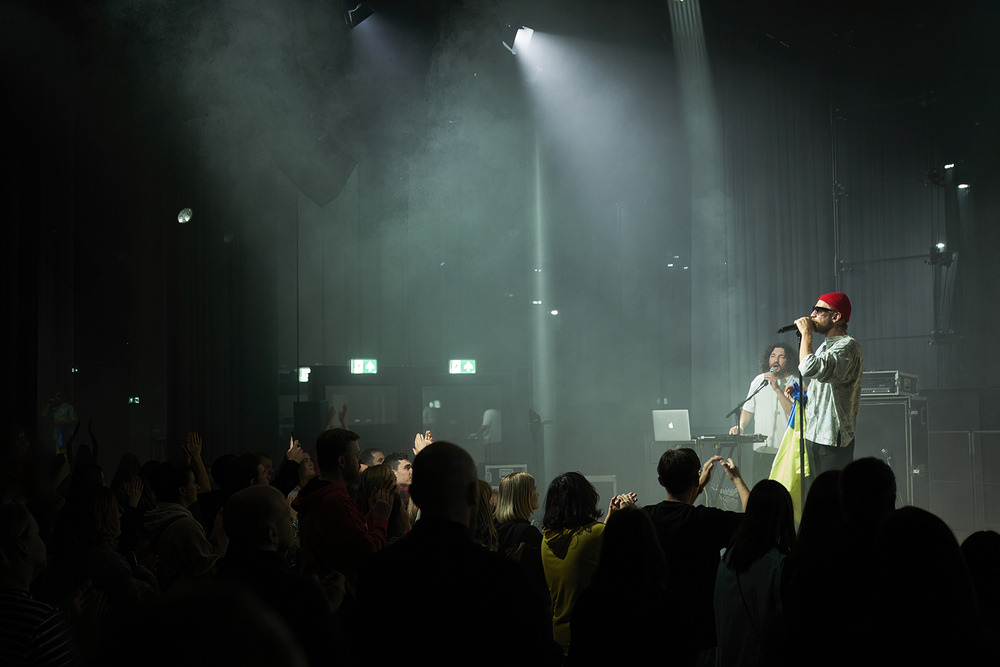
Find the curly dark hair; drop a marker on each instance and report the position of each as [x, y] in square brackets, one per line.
[570, 502]
[765, 357]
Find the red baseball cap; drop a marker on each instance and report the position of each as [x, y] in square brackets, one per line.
[839, 302]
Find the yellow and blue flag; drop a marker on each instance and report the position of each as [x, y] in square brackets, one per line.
[786, 462]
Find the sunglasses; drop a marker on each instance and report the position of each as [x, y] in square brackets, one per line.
[820, 309]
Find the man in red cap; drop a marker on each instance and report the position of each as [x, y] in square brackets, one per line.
[835, 387]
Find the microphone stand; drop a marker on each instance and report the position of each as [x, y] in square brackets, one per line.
[738, 411]
[802, 434]
[802, 427]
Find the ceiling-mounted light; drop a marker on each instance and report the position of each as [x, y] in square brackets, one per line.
[358, 14]
[515, 39]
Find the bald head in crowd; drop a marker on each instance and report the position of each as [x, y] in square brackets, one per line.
[257, 518]
[444, 483]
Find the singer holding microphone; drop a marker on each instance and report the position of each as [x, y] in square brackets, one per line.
[834, 395]
[770, 407]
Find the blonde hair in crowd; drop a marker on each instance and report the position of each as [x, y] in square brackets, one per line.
[514, 499]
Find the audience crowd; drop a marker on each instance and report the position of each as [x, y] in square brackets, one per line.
[340, 556]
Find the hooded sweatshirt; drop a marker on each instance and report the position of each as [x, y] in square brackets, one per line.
[333, 534]
[179, 541]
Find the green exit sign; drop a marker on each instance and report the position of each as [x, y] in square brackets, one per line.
[364, 366]
[462, 366]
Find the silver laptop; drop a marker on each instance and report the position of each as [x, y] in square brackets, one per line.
[671, 426]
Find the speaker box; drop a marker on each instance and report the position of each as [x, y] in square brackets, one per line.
[986, 478]
[951, 480]
[894, 429]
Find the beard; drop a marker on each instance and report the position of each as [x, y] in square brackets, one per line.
[822, 328]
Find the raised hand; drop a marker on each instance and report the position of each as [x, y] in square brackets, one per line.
[295, 451]
[192, 445]
[618, 502]
[382, 498]
[706, 472]
[421, 441]
[342, 417]
[732, 472]
[133, 490]
[772, 380]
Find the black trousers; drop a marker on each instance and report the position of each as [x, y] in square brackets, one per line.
[823, 458]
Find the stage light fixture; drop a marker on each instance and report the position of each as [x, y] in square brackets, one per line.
[938, 257]
[963, 186]
[184, 216]
[358, 14]
[553, 312]
[950, 166]
[515, 39]
[536, 303]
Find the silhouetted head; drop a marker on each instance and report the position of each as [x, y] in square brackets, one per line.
[372, 456]
[337, 453]
[173, 482]
[570, 502]
[631, 555]
[678, 471]
[867, 491]
[85, 478]
[22, 552]
[822, 518]
[257, 518]
[925, 592]
[768, 523]
[444, 482]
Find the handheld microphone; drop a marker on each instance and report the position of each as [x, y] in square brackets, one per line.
[774, 369]
[786, 329]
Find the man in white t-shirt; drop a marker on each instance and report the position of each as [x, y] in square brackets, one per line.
[491, 436]
[770, 408]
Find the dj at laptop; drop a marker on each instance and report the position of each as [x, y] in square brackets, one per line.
[769, 408]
